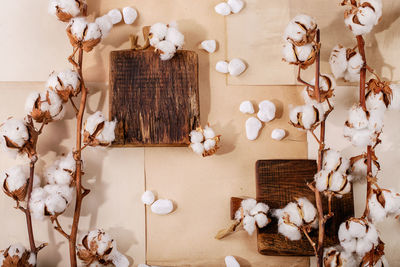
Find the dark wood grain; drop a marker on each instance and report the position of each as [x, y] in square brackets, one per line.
[280, 182]
[155, 102]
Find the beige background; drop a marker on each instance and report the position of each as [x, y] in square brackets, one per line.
[35, 44]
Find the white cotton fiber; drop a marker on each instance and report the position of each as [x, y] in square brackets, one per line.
[356, 28]
[278, 134]
[208, 132]
[105, 24]
[308, 209]
[66, 6]
[55, 204]
[209, 45]
[16, 250]
[197, 148]
[148, 197]
[69, 78]
[222, 66]
[266, 111]
[236, 5]
[15, 130]
[304, 52]
[249, 224]
[288, 230]
[37, 203]
[230, 261]
[321, 179]
[291, 209]
[236, 67]
[115, 16]
[354, 64]
[338, 61]
[209, 144]
[261, 220]
[158, 33]
[162, 206]
[30, 101]
[93, 121]
[351, 77]
[196, 136]
[167, 50]
[376, 212]
[248, 204]
[259, 208]
[68, 162]
[333, 161]
[78, 26]
[375, 102]
[288, 52]
[246, 107]
[297, 28]
[223, 9]
[130, 15]
[64, 191]
[358, 117]
[93, 32]
[253, 126]
[16, 177]
[118, 259]
[107, 135]
[308, 116]
[175, 37]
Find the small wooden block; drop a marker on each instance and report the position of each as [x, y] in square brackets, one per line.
[279, 182]
[155, 102]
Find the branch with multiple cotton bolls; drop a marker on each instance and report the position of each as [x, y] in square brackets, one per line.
[204, 141]
[166, 39]
[250, 215]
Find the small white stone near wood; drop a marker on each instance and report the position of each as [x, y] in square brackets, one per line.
[236, 67]
[130, 14]
[278, 134]
[222, 66]
[266, 111]
[236, 5]
[209, 45]
[223, 9]
[162, 206]
[253, 126]
[148, 197]
[246, 107]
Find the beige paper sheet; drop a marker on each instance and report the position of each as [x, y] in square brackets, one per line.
[256, 36]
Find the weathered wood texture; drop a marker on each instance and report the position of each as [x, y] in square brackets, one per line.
[280, 182]
[155, 102]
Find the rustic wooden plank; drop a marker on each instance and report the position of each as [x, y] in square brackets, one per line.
[155, 102]
[280, 182]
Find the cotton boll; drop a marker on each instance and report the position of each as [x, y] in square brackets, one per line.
[64, 191]
[148, 198]
[253, 126]
[68, 162]
[392, 202]
[357, 29]
[158, 32]
[236, 67]
[358, 117]
[355, 63]
[105, 24]
[278, 134]
[308, 209]
[292, 210]
[93, 121]
[208, 132]
[37, 203]
[209, 144]
[299, 54]
[249, 224]
[375, 121]
[357, 229]
[308, 116]
[261, 220]
[78, 26]
[130, 15]
[209, 45]
[375, 102]
[223, 9]
[15, 131]
[15, 177]
[92, 32]
[321, 179]
[344, 233]
[366, 16]
[248, 204]
[70, 80]
[304, 52]
[246, 107]
[288, 53]
[162, 206]
[115, 16]
[107, 135]
[360, 138]
[222, 66]
[349, 246]
[236, 5]
[55, 204]
[230, 261]
[259, 208]
[338, 61]
[300, 30]
[333, 161]
[363, 246]
[175, 37]
[167, 50]
[197, 148]
[376, 212]
[288, 230]
[196, 136]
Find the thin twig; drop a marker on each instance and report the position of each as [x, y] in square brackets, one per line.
[310, 240]
[59, 228]
[73, 105]
[316, 138]
[299, 79]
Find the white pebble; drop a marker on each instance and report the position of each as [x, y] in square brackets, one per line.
[253, 126]
[266, 111]
[223, 9]
[246, 107]
[236, 5]
[115, 16]
[230, 261]
[130, 15]
[162, 206]
[222, 66]
[209, 45]
[148, 197]
[278, 134]
[236, 67]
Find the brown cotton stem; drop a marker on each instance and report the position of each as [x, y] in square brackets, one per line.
[318, 200]
[27, 211]
[229, 230]
[363, 73]
[299, 79]
[312, 243]
[78, 159]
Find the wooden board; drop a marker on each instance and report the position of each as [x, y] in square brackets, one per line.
[155, 102]
[280, 182]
